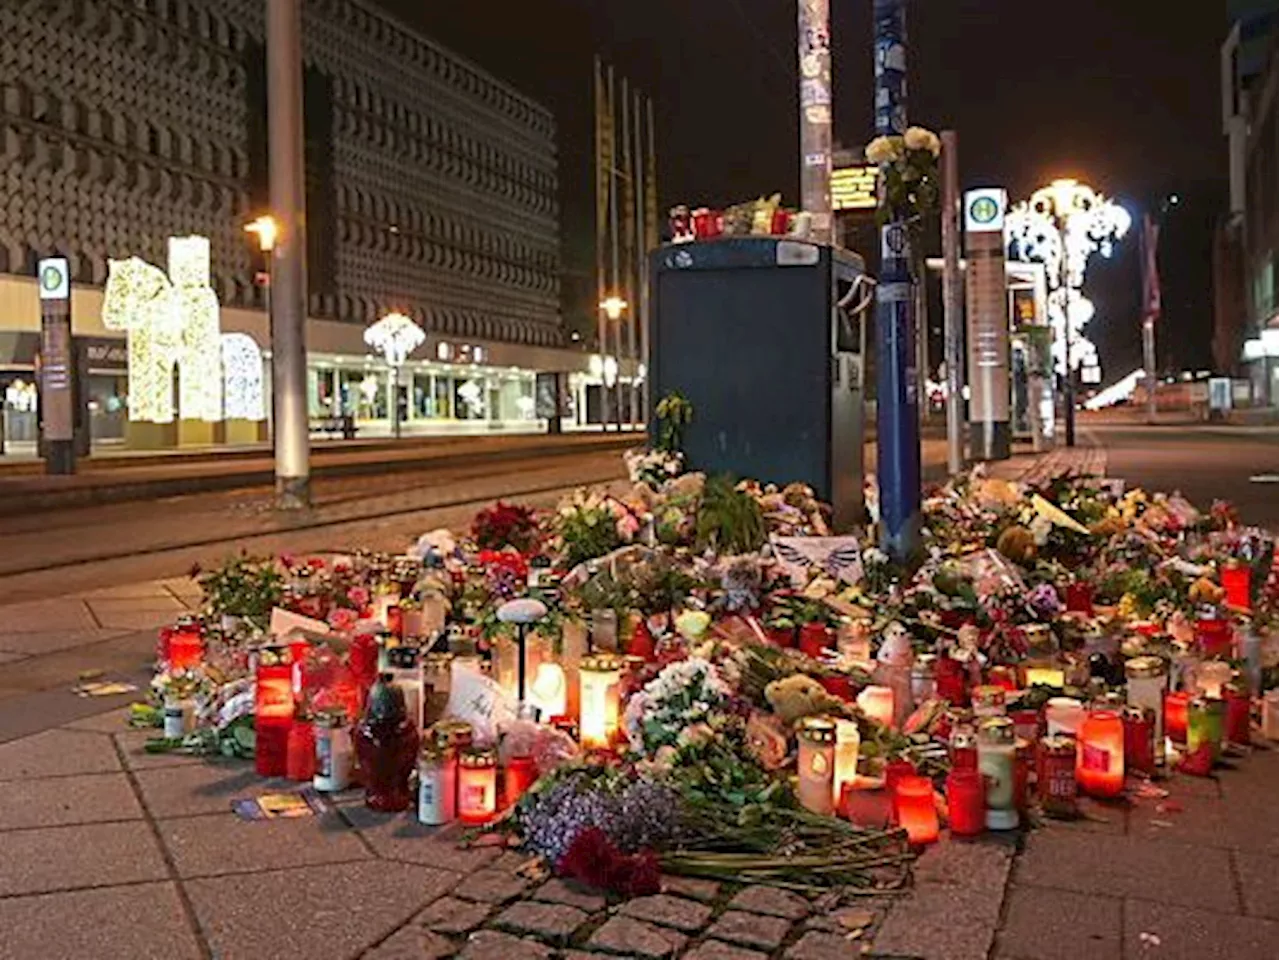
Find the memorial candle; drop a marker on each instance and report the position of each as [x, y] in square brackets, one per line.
[477, 786]
[1237, 714]
[877, 704]
[1100, 754]
[598, 677]
[272, 710]
[1235, 581]
[816, 765]
[517, 777]
[913, 798]
[966, 804]
[1175, 715]
[848, 744]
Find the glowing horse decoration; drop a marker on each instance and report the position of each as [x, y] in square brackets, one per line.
[169, 321]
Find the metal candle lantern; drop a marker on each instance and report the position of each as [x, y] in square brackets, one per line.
[522, 611]
[272, 710]
[816, 764]
[598, 676]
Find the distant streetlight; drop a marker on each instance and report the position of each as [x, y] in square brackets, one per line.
[266, 230]
[614, 306]
[395, 336]
[1062, 225]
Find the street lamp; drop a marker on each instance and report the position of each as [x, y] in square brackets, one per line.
[265, 229]
[614, 307]
[395, 336]
[1061, 226]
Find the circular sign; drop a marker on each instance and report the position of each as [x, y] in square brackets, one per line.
[984, 210]
[51, 278]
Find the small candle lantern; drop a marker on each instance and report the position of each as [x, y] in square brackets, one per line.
[1205, 723]
[335, 754]
[966, 803]
[988, 701]
[997, 756]
[1063, 715]
[1175, 715]
[815, 638]
[1237, 718]
[272, 710]
[1056, 776]
[877, 704]
[1100, 754]
[1235, 581]
[517, 777]
[1139, 739]
[913, 797]
[477, 786]
[1213, 635]
[598, 677]
[1146, 680]
[963, 747]
[1271, 714]
[1211, 676]
[923, 686]
[848, 745]
[816, 764]
[549, 691]
[437, 782]
[386, 742]
[1079, 598]
[894, 771]
[404, 664]
[437, 672]
[951, 680]
[184, 644]
[300, 753]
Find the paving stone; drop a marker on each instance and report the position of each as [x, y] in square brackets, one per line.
[146, 589]
[188, 789]
[491, 945]
[1044, 924]
[412, 943]
[771, 900]
[45, 616]
[68, 858]
[113, 721]
[1258, 885]
[400, 836]
[555, 922]
[941, 920]
[1194, 934]
[1095, 817]
[668, 911]
[1204, 821]
[817, 945]
[92, 798]
[332, 911]
[6, 657]
[1127, 866]
[693, 887]
[56, 753]
[451, 915]
[751, 929]
[863, 916]
[715, 950]
[133, 747]
[490, 886]
[35, 643]
[139, 613]
[980, 863]
[626, 935]
[556, 890]
[209, 846]
[110, 923]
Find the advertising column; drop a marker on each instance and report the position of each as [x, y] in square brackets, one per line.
[987, 320]
[57, 374]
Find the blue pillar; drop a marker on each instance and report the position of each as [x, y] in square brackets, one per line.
[897, 380]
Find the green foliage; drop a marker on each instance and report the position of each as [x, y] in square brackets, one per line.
[729, 520]
[674, 413]
[588, 532]
[243, 586]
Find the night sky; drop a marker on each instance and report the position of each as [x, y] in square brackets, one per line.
[1122, 94]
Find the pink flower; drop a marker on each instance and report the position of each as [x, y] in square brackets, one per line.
[358, 596]
[342, 619]
[288, 560]
[628, 526]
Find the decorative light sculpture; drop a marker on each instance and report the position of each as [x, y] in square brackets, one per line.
[1062, 226]
[243, 391]
[168, 320]
[395, 336]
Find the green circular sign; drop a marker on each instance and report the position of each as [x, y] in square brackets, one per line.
[984, 210]
[51, 278]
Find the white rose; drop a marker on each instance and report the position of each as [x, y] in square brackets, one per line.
[882, 150]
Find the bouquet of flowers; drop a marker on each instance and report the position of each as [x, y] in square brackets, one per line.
[654, 467]
[506, 525]
[679, 704]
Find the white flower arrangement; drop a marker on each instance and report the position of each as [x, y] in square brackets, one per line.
[654, 467]
[685, 694]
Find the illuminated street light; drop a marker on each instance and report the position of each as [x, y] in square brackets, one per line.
[395, 336]
[613, 307]
[266, 230]
[1062, 226]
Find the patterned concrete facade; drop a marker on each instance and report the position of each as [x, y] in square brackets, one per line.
[431, 185]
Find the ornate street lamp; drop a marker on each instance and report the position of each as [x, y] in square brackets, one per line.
[395, 336]
[1062, 226]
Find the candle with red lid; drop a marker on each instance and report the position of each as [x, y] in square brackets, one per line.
[272, 710]
[966, 804]
[913, 798]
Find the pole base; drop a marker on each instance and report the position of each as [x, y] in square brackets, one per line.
[60, 457]
[990, 441]
[293, 493]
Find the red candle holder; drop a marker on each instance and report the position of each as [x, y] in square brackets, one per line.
[1237, 720]
[707, 224]
[1100, 754]
[1139, 740]
[300, 753]
[894, 771]
[1236, 579]
[951, 681]
[1026, 723]
[913, 799]
[182, 645]
[779, 222]
[1006, 678]
[517, 777]
[784, 637]
[641, 642]
[272, 710]
[814, 638]
[1214, 636]
[966, 803]
[1079, 598]
[865, 807]
[838, 685]
[1175, 715]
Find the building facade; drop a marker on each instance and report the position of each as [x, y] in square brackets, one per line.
[431, 191]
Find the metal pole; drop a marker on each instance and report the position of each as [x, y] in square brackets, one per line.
[897, 379]
[289, 266]
[638, 306]
[650, 183]
[952, 304]
[1070, 386]
[815, 116]
[920, 298]
[1149, 360]
[613, 260]
[624, 220]
[602, 201]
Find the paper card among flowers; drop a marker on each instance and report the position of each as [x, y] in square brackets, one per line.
[286, 622]
[838, 557]
[991, 572]
[480, 701]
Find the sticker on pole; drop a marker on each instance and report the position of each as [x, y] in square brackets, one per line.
[793, 254]
[54, 274]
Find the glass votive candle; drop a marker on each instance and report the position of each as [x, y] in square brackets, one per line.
[913, 797]
[1063, 715]
[816, 765]
[1235, 581]
[517, 777]
[1100, 754]
[877, 704]
[966, 803]
[477, 785]
[1175, 715]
